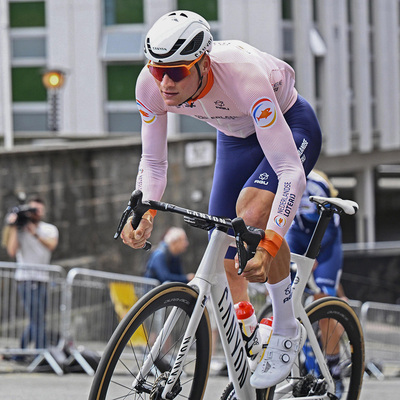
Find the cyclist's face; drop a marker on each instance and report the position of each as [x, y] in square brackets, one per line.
[175, 93]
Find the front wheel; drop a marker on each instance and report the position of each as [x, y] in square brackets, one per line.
[132, 341]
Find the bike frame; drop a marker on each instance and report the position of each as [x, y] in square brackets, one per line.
[304, 271]
[212, 285]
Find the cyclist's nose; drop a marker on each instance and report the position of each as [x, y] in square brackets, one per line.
[167, 81]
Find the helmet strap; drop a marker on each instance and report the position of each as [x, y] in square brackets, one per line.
[198, 87]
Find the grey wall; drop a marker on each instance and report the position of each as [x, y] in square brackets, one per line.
[86, 187]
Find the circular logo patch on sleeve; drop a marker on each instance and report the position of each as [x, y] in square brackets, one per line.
[280, 221]
[147, 116]
[264, 112]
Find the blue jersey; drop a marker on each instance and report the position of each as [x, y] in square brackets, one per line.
[330, 258]
[164, 266]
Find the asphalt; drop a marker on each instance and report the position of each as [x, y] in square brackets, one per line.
[18, 384]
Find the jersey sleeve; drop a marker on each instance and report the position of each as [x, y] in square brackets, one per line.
[152, 173]
[276, 140]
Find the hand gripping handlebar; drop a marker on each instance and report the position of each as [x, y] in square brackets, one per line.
[138, 208]
[243, 234]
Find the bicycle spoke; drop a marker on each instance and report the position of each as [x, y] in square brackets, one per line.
[155, 339]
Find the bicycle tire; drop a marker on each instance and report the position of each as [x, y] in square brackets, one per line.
[340, 317]
[125, 353]
[339, 314]
[265, 312]
[261, 394]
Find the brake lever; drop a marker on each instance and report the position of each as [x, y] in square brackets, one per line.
[242, 254]
[124, 218]
[251, 237]
[138, 208]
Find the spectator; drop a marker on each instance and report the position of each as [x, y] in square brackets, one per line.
[165, 262]
[32, 242]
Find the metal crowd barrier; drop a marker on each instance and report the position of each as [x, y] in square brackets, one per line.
[381, 325]
[84, 307]
[95, 303]
[31, 312]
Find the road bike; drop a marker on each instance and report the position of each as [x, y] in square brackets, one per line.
[162, 347]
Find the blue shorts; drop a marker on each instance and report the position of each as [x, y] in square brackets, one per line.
[240, 162]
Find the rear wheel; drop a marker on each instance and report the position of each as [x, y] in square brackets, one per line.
[340, 337]
[264, 394]
[265, 312]
[132, 341]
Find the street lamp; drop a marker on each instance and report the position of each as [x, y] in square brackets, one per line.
[53, 81]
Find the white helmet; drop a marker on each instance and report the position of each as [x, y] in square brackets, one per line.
[178, 36]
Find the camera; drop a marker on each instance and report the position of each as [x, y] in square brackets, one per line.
[24, 214]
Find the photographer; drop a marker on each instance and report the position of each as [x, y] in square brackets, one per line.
[31, 241]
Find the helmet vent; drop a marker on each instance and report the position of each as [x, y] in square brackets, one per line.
[193, 45]
[175, 47]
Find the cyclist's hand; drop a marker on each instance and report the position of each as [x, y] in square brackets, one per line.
[137, 238]
[257, 268]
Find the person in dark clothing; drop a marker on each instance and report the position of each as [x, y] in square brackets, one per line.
[165, 263]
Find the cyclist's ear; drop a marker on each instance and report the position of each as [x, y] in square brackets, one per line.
[205, 65]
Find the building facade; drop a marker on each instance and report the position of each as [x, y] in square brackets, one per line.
[345, 53]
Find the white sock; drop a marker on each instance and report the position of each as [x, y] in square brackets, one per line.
[284, 322]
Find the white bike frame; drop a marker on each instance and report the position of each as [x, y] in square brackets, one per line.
[211, 283]
[303, 273]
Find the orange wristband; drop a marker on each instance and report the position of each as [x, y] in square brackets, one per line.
[271, 242]
[153, 213]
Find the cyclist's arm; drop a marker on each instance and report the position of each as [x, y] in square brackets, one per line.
[254, 93]
[152, 174]
[281, 152]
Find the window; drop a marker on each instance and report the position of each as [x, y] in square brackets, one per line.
[121, 81]
[27, 14]
[208, 9]
[121, 106]
[387, 202]
[28, 47]
[28, 59]
[287, 11]
[123, 46]
[27, 84]
[118, 12]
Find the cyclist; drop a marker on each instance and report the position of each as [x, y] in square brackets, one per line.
[268, 140]
[328, 265]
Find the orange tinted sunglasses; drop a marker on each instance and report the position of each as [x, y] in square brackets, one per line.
[175, 72]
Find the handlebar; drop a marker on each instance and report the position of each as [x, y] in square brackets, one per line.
[137, 208]
[243, 234]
